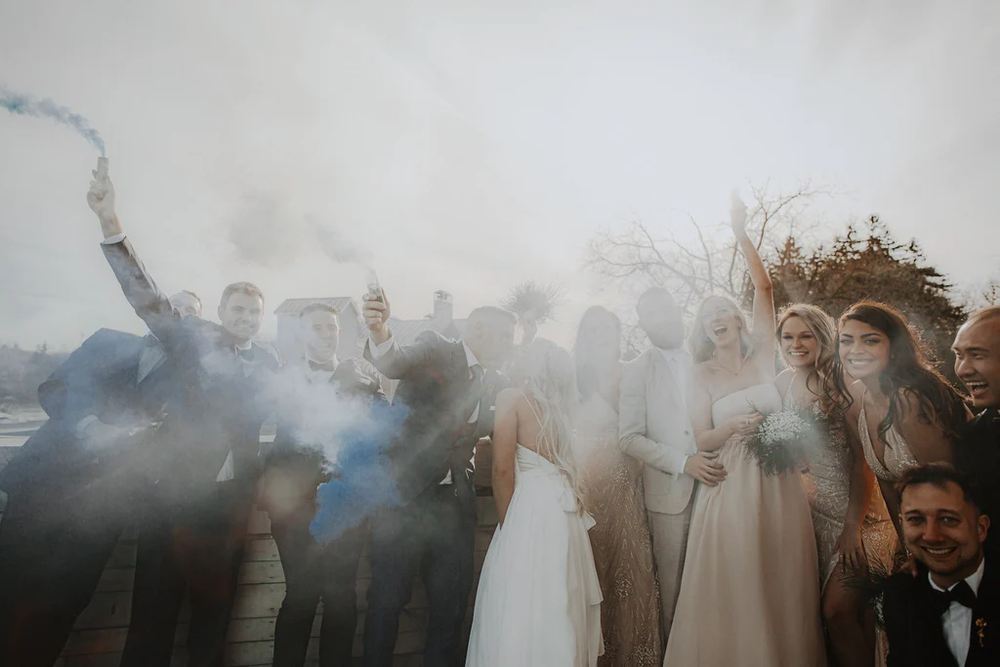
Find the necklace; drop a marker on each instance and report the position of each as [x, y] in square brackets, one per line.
[727, 368]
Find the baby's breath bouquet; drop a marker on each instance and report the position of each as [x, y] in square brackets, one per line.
[784, 440]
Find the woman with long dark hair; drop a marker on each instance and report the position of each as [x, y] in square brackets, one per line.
[750, 588]
[900, 407]
[850, 529]
[611, 487]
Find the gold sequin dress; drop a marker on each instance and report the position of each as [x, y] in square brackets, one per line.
[828, 485]
[611, 483]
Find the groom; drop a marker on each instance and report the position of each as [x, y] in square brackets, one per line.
[654, 427]
[449, 387]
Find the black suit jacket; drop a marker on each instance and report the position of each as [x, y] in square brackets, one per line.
[221, 401]
[977, 454]
[436, 438]
[913, 624]
[100, 378]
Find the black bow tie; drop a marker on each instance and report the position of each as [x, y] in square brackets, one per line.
[961, 593]
[328, 366]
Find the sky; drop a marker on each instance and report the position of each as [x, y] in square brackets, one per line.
[468, 146]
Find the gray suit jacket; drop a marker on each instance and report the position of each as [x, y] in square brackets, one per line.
[654, 427]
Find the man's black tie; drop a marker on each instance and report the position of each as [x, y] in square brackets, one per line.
[328, 366]
[961, 593]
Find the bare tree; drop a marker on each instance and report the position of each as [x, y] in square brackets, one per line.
[644, 254]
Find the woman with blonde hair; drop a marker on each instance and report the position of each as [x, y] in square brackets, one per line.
[539, 599]
[750, 587]
[850, 528]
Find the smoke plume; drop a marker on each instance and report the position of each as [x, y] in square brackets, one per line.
[272, 231]
[25, 105]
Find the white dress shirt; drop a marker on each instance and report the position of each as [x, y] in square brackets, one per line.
[228, 470]
[378, 350]
[956, 621]
[673, 359]
[320, 376]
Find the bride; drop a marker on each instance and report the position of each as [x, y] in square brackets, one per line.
[750, 587]
[539, 599]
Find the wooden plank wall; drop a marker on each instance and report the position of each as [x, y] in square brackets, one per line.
[99, 634]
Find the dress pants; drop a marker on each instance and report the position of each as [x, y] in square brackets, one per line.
[316, 573]
[433, 536]
[192, 545]
[669, 533]
[55, 541]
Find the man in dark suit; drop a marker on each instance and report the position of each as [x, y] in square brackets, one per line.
[194, 528]
[949, 613]
[977, 364]
[449, 388]
[295, 467]
[73, 486]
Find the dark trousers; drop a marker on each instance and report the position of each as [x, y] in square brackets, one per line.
[197, 547]
[315, 573]
[54, 545]
[433, 536]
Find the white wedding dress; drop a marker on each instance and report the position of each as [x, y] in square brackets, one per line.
[539, 600]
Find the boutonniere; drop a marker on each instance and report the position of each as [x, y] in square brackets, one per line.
[981, 631]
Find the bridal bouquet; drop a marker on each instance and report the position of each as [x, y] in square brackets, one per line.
[784, 441]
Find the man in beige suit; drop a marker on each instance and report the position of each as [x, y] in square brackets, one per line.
[654, 427]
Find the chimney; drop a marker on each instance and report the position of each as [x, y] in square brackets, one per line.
[443, 308]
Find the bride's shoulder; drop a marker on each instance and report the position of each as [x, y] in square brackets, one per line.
[508, 399]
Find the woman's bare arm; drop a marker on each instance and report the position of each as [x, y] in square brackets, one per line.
[505, 449]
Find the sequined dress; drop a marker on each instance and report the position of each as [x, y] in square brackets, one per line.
[611, 483]
[828, 485]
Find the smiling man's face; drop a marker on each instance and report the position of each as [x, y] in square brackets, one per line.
[977, 360]
[943, 530]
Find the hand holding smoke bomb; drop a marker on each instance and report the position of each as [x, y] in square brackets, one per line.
[376, 310]
[374, 289]
[101, 198]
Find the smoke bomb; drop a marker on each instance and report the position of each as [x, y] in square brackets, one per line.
[25, 105]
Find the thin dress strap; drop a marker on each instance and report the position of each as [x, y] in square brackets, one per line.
[532, 407]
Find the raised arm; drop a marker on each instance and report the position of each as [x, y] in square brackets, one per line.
[391, 359]
[150, 304]
[763, 296]
[505, 449]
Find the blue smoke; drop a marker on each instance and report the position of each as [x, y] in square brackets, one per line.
[25, 105]
[362, 481]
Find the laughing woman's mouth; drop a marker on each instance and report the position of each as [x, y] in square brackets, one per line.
[720, 329]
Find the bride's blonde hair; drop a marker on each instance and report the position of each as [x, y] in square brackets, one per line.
[550, 383]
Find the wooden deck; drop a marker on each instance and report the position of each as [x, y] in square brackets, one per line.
[99, 634]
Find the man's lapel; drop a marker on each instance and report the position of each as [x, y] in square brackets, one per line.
[984, 644]
[926, 630]
[665, 377]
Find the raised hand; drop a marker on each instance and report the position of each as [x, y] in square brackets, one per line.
[101, 198]
[376, 314]
[737, 214]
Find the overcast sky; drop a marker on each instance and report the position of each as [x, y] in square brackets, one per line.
[468, 145]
